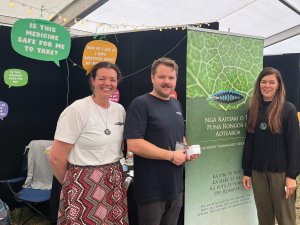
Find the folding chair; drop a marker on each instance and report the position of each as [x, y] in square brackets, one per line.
[37, 187]
[30, 197]
[8, 187]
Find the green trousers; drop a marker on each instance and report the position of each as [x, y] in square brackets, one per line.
[269, 195]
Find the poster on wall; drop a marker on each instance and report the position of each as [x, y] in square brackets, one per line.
[221, 72]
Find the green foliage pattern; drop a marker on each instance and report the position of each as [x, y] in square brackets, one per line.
[217, 62]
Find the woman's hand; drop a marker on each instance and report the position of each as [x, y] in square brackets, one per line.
[290, 187]
[247, 182]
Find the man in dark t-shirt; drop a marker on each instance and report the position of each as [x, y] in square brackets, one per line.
[154, 124]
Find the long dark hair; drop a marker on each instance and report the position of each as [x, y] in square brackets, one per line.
[274, 109]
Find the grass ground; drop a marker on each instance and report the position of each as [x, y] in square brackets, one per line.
[38, 220]
[298, 202]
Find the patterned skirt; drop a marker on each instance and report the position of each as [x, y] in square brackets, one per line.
[93, 195]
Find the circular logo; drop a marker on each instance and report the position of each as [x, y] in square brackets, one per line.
[263, 126]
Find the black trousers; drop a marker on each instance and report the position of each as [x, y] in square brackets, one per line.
[160, 212]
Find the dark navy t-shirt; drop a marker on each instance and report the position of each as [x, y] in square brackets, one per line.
[161, 123]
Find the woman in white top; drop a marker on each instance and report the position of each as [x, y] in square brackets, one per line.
[86, 152]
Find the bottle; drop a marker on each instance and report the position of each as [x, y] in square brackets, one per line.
[129, 158]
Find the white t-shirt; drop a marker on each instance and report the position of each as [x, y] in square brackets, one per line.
[81, 124]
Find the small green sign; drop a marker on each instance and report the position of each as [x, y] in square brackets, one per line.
[41, 40]
[15, 77]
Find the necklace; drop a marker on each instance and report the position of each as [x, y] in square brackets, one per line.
[106, 131]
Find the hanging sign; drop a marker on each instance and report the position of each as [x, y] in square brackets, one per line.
[115, 97]
[15, 77]
[98, 51]
[41, 40]
[3, 110]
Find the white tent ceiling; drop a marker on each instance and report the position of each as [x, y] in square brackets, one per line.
[10, 11]
[278, 21]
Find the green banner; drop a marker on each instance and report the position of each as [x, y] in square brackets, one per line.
[221, 72]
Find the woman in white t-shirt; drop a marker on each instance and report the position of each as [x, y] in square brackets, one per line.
[86, 152]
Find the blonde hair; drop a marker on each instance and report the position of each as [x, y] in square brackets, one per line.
[164, 61]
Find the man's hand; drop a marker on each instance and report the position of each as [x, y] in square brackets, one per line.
[193, 157]
[179, 157]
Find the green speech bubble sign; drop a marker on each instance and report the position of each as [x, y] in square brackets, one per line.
[41, 40]
[15, 77]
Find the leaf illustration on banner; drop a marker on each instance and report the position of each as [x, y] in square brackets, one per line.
[222, 62]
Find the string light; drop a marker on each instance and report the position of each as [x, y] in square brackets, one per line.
[50, 17]
[29, 8]
[105, 26]
[138, 71]
[111, 27]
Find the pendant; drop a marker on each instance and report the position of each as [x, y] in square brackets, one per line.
[263, 126]
[107, 131]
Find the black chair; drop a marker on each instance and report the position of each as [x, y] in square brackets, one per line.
[8, 187]
[54, 201]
